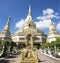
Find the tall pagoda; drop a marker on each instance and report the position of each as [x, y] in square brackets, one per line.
[5, 34]
[53, 34]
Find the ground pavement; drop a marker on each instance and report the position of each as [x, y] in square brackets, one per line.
[45, 59]
[16, 59]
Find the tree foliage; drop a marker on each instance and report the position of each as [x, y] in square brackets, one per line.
[45, 45]
[57, 42]
[7, 45]
[52, 44]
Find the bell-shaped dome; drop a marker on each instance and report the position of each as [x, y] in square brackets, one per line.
[29, 20]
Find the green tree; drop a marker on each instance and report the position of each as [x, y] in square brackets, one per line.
[4, 44]
[52, 43]
[45, 45]
[0, 42]
[12, 45]
[57, 42]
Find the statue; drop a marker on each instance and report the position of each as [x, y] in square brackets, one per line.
[29, 54]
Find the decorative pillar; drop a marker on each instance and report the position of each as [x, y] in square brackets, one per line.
[26, 41]
[31, 41]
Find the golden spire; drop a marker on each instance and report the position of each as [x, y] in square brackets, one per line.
[29, 12]
[29, 16]
[9, 18]
[7, 26]
[29, 9]
[6, 31]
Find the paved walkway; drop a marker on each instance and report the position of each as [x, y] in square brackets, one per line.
[13, 59]
[45, 59]
[16, 59]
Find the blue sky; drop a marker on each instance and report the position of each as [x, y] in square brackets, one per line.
[18, 10]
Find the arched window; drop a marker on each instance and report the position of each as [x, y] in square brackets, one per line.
[29, 25]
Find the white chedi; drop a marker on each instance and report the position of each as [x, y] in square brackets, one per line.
[53, 34]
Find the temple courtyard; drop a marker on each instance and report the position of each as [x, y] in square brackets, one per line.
[16, 59]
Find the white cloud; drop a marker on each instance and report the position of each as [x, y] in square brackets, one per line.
[58, 26]
[19, 24]
[44, 21]
[43, 24]
[41, 17]
[47, 17]
[48, 11]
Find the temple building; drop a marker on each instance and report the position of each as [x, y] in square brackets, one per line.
[29, 33]
[53, 34]
[5, 34]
